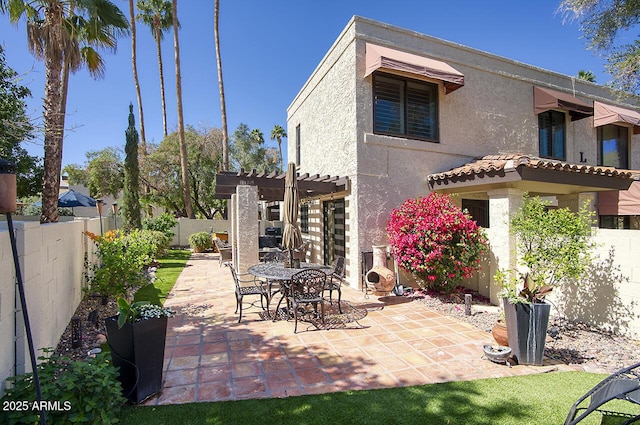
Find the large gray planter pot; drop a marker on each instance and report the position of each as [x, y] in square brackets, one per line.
[527, 330]
[137, 350]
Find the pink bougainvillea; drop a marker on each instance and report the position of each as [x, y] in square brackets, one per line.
[435, 240]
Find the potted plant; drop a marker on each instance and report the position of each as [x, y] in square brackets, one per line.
[136, 338]
[200, 241]
[553, 246]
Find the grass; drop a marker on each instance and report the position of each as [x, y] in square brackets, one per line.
[171, 266]
[533, 399]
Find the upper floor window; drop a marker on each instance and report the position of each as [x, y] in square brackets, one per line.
[405, 107]
[552, 134]
[613, 146]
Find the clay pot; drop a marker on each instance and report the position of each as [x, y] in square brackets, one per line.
[499, 332]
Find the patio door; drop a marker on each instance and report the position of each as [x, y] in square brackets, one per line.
[333, 229]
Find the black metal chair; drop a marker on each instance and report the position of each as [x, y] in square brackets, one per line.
[247, 286]
[622, 385]
[306, 287]
[274, 286]
[335, 280]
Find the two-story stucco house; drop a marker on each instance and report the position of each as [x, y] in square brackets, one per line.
[403, 114]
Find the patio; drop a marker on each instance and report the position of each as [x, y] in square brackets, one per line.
[211, 357]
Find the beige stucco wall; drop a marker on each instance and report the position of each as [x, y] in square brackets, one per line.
[492, 113]
[52, 263]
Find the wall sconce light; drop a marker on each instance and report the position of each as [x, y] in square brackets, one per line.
[8, 205]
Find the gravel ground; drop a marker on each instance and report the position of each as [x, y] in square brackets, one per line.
[570, 342]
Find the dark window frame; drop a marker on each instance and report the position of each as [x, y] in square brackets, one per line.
[304, 218]
[298, 144]
[478, 209]
[622, 139]
[554, 118]
[404, 126]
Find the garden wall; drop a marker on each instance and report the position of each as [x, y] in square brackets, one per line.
[52, 263]
[609, 296]
[187, 226]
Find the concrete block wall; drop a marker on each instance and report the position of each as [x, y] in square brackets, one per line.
[51, 260]
[188, 226]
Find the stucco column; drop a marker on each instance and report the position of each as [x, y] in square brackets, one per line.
[246, 227]
[232, 215]
[503, 203]
[575, 201]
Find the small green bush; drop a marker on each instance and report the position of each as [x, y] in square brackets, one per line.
[148, 244]
[163, 223]
[83, 391]
[200, 240]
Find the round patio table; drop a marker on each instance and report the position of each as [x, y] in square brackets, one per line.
[277, 272]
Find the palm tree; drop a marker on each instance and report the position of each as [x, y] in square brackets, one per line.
[586, 76]
[278, 133]
[158, 15]
[134, 66]
[63, 33]
[181, 136]
[223, 108]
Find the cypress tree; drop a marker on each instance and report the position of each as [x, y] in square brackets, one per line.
[131, 208]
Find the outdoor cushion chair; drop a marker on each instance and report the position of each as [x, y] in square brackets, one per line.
[306, 288]
[225, 251]
[300, 253]
[622, 385]
[247, 284]
[335, 280]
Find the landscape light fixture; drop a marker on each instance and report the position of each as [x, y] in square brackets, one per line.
[8, 205]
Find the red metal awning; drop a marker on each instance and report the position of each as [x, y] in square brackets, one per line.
[620, 202]
[395, 61]
[609, 114]
[547, 99]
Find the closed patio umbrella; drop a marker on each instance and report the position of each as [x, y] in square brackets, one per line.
[291, 236]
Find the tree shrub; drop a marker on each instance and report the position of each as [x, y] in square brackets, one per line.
[435, 240]
[200, 240]
[86, 391]
[163, 223]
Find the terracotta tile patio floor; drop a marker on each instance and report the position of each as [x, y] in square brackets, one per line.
[209, 356]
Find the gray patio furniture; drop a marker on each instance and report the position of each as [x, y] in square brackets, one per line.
[306, 288]
[335, 280]
[225, 251]
[622, 385]
[247, 284]
[300, 253]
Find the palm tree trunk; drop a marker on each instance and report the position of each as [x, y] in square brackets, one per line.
[223, 108]
[52, 118]
[134, 66]
[162, 97]
[181, 135]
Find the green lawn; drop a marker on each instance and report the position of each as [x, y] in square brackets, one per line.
[171, 266]
[534, 399]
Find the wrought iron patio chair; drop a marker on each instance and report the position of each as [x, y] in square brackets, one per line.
[306, 288]
[274, 286]
[300, 253]
[247, 284]
[622, 385]
[225, 251]
[335, 280]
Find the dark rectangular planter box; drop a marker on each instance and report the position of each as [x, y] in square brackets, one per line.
[527, 330]
[137, 349]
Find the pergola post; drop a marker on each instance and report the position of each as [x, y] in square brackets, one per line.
[246, 227]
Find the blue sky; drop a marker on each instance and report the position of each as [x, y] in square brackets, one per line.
[269, 49]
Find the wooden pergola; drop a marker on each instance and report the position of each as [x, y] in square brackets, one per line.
[271, 185]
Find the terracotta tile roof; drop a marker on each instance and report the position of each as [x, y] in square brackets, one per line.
[490, 164]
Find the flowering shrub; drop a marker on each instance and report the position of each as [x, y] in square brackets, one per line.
[121, 264]
[435, 240]
[141, 310]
